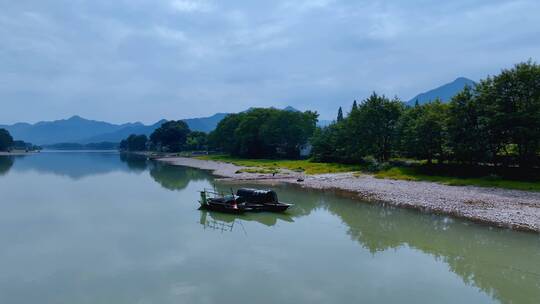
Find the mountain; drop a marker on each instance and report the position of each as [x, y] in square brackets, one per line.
[205, 124]
[125, 131]
[444, 92]
[83, 131]
[78, 130]
[290, 109]
[65, 130]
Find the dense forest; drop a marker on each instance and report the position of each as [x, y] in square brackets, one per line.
[171, 136]
[497, 122]
[5, 140]
[7, 143]
[254, 133]
[261, 133]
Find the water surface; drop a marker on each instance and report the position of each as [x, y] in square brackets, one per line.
[92, 227]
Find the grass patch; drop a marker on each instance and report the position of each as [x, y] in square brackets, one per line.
[302, 165]
[412, 174]
[412, 171]
[257, 170]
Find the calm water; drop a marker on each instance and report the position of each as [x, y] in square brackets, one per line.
[102, 228]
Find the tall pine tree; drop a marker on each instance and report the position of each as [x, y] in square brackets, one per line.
[340, 115]
[354, 106]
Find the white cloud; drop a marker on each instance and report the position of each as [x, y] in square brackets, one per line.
[188, 6]
[146, 59]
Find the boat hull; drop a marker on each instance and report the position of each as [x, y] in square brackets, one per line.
[223, 209]
[280, 207]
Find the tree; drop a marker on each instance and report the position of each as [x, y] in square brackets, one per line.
[354, 106]
[222, 138]
[171, 136]
[134, 143]
[285, 132]
[423, 131]
[375, 124]
[264, 133]
[511, 102]
[197, 141]
[466, 133]
[370, 129]
[5, 140]
[497, 123]
[329, 144]
[340, 115]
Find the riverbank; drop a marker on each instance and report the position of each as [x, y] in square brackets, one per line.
[409, 170]
[514, 209]
[16, 153]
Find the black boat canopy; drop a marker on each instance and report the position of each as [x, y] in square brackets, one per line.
[257, 196]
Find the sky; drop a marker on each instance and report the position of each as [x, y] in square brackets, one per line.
[144, 60]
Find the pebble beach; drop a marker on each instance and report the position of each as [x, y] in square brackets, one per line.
[519, 210]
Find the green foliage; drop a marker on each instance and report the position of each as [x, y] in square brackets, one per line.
[328, 144]
[375, 125]
[354, 106]
[197, 141]
[272, 165]
[510, 111]
[370, 129]
[465, 130]
[171, 136]
[5, 140]
[22, 145]
[134, 143]
[372, 165]
[495, 123]
[422, 131]
[261, 133]
[340, 115]
[416, 174]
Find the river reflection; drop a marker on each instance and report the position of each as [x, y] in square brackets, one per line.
[74, 165]
[5, 164]
[502, 263]
[174, 177]
[111, 228]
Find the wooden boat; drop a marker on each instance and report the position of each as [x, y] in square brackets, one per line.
[245, 200]
[261, 200]
[214, 201]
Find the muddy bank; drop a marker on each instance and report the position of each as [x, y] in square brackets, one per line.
[514, 209]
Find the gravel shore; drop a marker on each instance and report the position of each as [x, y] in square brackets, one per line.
[514, 209]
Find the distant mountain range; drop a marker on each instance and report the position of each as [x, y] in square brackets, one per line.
[444, 92]
[83, 131]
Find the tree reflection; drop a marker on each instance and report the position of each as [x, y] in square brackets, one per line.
[175, 177]
[495, 260]
[75, 165]
[134, 162]
[502, 263]
[6, 162]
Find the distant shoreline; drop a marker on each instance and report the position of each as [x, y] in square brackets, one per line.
[15, 153]
[515, 209]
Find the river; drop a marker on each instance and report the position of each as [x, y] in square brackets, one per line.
[100, 227]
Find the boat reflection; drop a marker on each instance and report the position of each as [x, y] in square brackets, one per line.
[209, 222]
[497, 261]
[225, 222]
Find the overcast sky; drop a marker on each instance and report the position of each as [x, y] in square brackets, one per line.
[143, 60]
